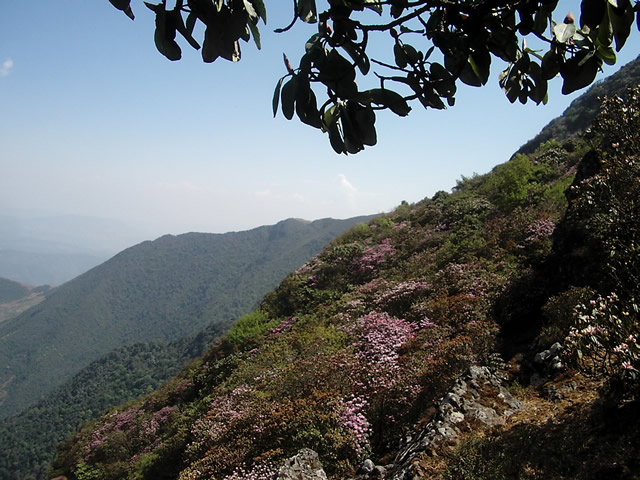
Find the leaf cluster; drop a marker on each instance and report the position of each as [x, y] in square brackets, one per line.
[431, 47]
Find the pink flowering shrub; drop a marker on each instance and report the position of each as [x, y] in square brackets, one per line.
[374, 256]
[259, 471]
[604, 339]
[379, 338]
[398, 299]
[352, 414]
[134, 431]
[540, 229]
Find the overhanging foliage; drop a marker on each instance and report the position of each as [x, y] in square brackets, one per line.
[434, 45]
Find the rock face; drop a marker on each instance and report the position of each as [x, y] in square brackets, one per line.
[303, 466]
[478, 397]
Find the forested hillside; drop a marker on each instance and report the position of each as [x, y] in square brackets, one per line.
[16, 297]
[28, 440]
[161, 290]
[354, 353]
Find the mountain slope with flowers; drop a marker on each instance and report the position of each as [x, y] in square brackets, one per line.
[350, 355]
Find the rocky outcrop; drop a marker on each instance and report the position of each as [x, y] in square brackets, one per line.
[479, 398]
[476, 400]
[305, 465]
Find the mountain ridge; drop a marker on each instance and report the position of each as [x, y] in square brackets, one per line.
[141, 294]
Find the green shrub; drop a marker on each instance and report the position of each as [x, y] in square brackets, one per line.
[249, 328]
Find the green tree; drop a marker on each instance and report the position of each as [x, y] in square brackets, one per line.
[433, 45]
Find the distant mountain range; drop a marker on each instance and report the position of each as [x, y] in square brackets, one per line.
[51, 250]
[158, 290]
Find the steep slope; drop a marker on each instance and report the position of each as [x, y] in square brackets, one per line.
[583, 110]
[351, 349]
[352, 353]
[28, 440]
[160, 290]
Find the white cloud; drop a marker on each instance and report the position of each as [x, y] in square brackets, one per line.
[349, 191]
[6, 67]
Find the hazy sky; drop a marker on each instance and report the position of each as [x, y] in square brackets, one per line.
[95, 122]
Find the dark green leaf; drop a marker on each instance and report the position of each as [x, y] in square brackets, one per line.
[504, 44]
[400, 56]
[621, 21]
[289, 94]
[396, 10]
[592, 12]
[543, 16]
[352, 141]
[374, 5]
[442, 80]
[330, 125]
[527, 24]
[430, 98]
[538, 91]
[307, 11]
[580, 71]
[313, 42]
[365, 118]
[255, 33]
[184, 31]
[251, 11]
[387, 98]
[260, 8]
[124, 6]
[551, 64]
[358, 56]
[165, 33]
[480, 61]
[306, 105]
[606, 54]
[412, 54]
[210, 47]
[469, 76]
[338, 74]
[276, 96]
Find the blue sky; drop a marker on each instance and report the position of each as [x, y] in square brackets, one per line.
[95, 122]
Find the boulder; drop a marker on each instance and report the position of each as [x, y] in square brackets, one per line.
[305, 465]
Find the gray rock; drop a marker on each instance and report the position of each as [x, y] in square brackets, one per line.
[555, 349]
[303, 466]
[463, 402]
[456, 417]
[556, 364]
[513, 403]
[367, 466]
[379, 472]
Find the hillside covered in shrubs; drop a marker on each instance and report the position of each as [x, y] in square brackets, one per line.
[351, 353]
